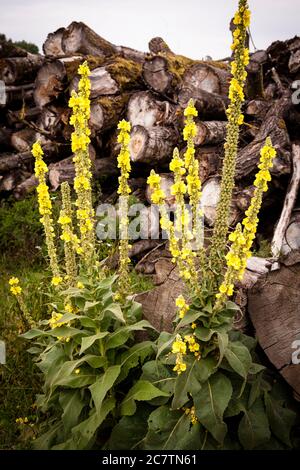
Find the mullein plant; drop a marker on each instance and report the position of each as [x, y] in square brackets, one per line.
[216, 375]
[124, 190]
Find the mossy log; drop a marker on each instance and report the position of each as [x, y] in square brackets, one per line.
[79, 38]
[17, 95]
[118, 75]
[255, 77]
[144, 109]
[167, 73]
[106, 111]
[20, 70]
[152, 145]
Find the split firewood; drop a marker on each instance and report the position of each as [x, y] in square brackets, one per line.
[210, 132]
[10, 180]
[257, 108]
[255, 77]
[210, 159]
[289, 203]
[152, 145]
[273, 305]
[9, 161]
[106, 111]
[5, 136]
[208, 76]
[25, 187]
[22, 140]
[211, 191]
[273, 126]
[291, 241]
[65, 171]
[208, 105]
[19, 94]
[52, 47]
[22, 115]
[16, 70]
[144, 109]
[51, 79]
[79, 38]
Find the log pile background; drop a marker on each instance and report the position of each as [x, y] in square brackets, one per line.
[151, 90]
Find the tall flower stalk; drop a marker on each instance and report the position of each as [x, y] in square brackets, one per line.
[235, 120]
[70, 240]
[242, 238]
[124, 191]
[45, 209]
[80, 103]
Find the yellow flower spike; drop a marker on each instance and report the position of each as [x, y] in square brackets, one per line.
[68, 236]
[124, 191]
[235, 120]
[242, 239]
[45, 206]
[80, 104]
[17, 291]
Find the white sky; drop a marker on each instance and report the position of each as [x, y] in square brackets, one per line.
[194, 28]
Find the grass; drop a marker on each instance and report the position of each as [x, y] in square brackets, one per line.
[23, 255]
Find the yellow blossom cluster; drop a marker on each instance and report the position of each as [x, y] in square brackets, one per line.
[180, 347]
[235, 120]
[80, 104]
[183, 307]
[22, 420]
[124, 191]
[192, 166]
[16, 290]
[242, 238]
[191, 412]
[45, 209]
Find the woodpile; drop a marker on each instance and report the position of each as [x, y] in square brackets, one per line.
[151, 90]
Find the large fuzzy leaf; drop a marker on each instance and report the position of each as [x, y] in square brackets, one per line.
[281, 419]
[254, 428]
[211, 402]
[141, 391]
[103, 384]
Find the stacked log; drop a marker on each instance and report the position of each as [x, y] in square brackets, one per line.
[151, 90]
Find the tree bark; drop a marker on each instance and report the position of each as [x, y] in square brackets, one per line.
[20, 70]
[22, 140]
[152, 145]
[208, 105]
[144, 109]
[274, 127]
[210, 132]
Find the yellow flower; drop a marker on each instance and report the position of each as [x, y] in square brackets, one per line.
[80, 285]
[14, 281]
[77, 371]
[56, 280]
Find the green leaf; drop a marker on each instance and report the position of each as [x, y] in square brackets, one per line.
[186, 384]
[103, 384]
[135, 356]
[45, 441]
[160, 376]
[190, 317]
[121, 335]
[254, 428]
[94, 308]
[211, 402]
[281, 419]
[95, 361]
[239, 358]
[84, 434]
[164, 342]
[72, 405]
[171, 430]
[204, 334]
[141, 391]
[223, 344]
[115, 311]
[130, 431]
[88, 341]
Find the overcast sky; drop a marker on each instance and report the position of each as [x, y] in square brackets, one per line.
[194, 28]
